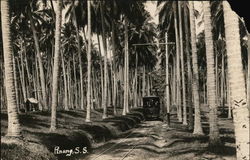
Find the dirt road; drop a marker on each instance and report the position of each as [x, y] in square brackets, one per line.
[135, 145]
[152, 140]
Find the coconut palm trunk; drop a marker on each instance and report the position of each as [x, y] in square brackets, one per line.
[104, 100]
[222, 80]
[89, 63]
[101, 67]
[126, 68]
[14, 129]
[79, 58]
[174, 82]
[66, 104]
[229, 102]
[143, 81]
[56, 65]
[22, 81]
[237, 83]
[39, 57]
[167, 93]
[195, 86]
[127, 64]
[21, 65]
[15, 82]
[248, 74]
[178, 78]
[136, 82]
[182, 67]
[114, 66]
[214, 137]
[189, 79]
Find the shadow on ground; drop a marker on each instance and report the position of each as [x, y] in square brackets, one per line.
[178, 143]
[72, 132]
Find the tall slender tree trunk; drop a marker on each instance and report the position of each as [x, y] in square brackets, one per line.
[148, 85]
[197, 118]
[136, 81]
[120, 73]
[91, 92]
[15, 82]
[69, 84]
[101, 67]
[222, 80]
[182, 67]
[38, 86]
[35, 86]
[25, 63]
[204, 91]
[174, 82]
[114, 67]
[115, 93]
[241, 117]
[139, 91]
[27, 68]
[216, 77]
[89, 63]
[104, 101]
[189, 88]
[23, 77]
[14, 129]
[66, 104]
[126, 71]
[75, 84]
[125, 103]
[22, 81]
[79, 58]
[42, 77]
[229, 102]
[127, 54]
[178, 79]
[143, 81]
[56, 65]
[248, 73]
[167, 93]
[214, 137]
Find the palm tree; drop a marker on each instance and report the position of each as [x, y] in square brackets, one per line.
[128, 10]
[143, 33]
[248, 78]
[167, 93]
[69, 45]
[56, 65]
[167, 14]
[22, 10]
[14, 129]
[114, 48]
[197, 118]
[104, 101]
[237, 82]
[89, 63]
[182, 65]
[178, 50]
[214, 138]
[189, 88]
[38, 52]
[79, 53]
[126, 70]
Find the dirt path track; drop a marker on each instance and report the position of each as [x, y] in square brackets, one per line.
[143, 142]
[152, 140]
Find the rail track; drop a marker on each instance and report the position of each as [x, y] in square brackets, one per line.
[121, 149]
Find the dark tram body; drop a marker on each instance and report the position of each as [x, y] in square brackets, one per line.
[151, 107]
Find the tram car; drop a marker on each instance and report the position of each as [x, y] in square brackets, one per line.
[151, 107]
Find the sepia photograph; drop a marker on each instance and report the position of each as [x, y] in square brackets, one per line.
[124, 80]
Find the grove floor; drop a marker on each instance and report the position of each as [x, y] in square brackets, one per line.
[116, 138]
